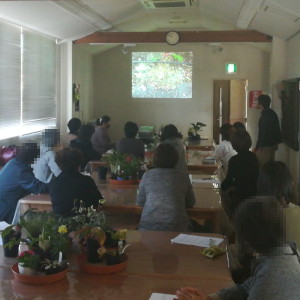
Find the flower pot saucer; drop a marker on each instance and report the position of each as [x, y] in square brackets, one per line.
[99, 268]
[37, 280]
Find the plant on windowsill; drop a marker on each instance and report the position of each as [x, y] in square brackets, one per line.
[193, 134]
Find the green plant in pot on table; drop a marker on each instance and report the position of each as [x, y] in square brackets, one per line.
[124, 166]
[47, 244]
[11, 237]
[193, 134]
[98, 242]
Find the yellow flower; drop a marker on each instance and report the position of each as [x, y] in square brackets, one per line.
[62, 229]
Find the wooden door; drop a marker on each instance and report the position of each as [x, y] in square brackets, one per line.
[221, 106]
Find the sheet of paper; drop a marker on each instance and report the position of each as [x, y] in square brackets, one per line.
[200, 241]
[157, 296]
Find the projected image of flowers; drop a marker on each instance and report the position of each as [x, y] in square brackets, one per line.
[162, 74]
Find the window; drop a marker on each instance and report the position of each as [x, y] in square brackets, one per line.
[162, 74]
[27, 85]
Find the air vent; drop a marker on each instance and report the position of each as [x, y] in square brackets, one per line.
[161, 4]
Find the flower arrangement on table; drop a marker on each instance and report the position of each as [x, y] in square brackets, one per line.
[47, 244]
[194, 129]
[124, 166]
[98, 242]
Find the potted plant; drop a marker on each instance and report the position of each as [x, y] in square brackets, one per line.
[47, 241]
[99, 244]
[28, 262]
[11, 238]
[193, 134]
[124, 168]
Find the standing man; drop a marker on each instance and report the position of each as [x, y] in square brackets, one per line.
[269, 135]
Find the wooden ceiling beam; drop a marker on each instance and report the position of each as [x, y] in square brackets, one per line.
[185, 37]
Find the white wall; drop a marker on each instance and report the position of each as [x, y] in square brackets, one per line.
[293, 71]
[112, 82]
[83, 74]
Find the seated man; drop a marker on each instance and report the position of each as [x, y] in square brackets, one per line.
[129, 144]
[17, 180]
[71, 187]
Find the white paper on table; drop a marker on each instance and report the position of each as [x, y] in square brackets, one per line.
[157, 296]
[212, 180]
[200, 241]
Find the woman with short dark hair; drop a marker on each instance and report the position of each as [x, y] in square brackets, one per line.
[129, 144]
[243, 170]
[165, 193]
[71, 187]
[172, 136]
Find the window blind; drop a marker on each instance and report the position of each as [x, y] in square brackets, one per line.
[10, 80]
[39, 93]
[28, 82]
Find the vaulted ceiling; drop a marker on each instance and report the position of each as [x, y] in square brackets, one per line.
[74, 19]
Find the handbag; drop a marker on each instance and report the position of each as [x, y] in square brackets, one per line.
[7, 153]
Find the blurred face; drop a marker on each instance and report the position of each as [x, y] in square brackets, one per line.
[106, 125]
[259, 106]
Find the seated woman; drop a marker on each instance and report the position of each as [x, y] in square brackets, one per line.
[243, 169]
[71, 187]
[83, 143]
[224, 150]
[170, 135]
[17, 180]
[275, 180]
[276, 269]
[100, 138]
[165, 193]
[45, 167]
[129, 144]
[73, 125]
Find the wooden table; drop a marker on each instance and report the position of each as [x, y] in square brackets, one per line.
[154, 265]
[121, 201]
[202, 145]
[195, 165]
[196, 151]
